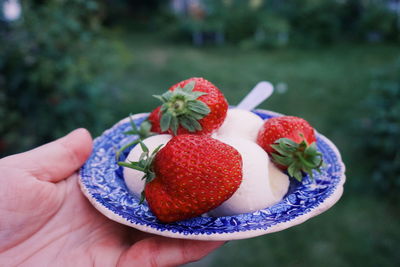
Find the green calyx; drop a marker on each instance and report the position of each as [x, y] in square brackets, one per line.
[143, 131]
[299, 158]
[144, 164]
[181, 107]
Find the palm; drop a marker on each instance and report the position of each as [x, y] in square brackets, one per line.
[49, 220]
[69, 221]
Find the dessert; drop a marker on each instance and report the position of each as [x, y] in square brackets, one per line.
[207, 160]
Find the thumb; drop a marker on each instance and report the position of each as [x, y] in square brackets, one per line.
[54, 161]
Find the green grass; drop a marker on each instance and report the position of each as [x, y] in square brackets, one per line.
[327, 87]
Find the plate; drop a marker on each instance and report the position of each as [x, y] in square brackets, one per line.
[101, 181]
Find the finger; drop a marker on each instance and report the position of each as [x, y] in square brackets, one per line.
[54, 161]
[162, 251]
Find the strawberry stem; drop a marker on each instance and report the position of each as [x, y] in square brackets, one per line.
[142, 132]
[298, 158]
[181, 107]
[144, 164]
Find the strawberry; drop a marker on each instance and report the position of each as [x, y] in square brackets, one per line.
[190, 175]
[291, 143]
[154, 119]
[194, 106]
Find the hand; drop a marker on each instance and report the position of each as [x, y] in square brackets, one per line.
[46, 221]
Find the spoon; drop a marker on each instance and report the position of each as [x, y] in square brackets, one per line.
[256, 96]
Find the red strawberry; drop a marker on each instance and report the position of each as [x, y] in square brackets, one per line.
[290, 141]
[191, 106]
[190, 175]
[154, 119]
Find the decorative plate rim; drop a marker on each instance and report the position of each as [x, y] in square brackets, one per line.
[240, 234]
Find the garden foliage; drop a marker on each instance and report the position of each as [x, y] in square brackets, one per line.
[50, 61]
[382, 128]
[307, 23]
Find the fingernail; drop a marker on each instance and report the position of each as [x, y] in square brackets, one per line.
[78, 131]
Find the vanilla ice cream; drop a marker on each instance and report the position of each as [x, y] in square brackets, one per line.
[263, 184]
[133, 178]
[240, 123]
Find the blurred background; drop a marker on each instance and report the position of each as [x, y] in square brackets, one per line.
[89, 63]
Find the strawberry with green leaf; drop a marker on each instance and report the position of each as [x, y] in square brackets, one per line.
[190, 175]
[193, 106]
[291, 143]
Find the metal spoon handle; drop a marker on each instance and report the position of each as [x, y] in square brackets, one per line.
[256, 96]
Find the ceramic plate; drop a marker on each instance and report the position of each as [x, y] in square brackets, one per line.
[102, 182]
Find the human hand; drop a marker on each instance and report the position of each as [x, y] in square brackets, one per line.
[46, 221]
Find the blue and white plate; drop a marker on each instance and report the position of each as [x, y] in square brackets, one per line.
[102, 182]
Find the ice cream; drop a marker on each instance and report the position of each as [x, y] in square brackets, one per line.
[263, 184]
[133, 178]
[240, 123]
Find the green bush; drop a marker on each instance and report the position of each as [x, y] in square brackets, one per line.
[235, 20]
[382, 131]
[240, 21]
[273, 30]
[50, 61]
[378, 22]
[314, 22]
[305, 23]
